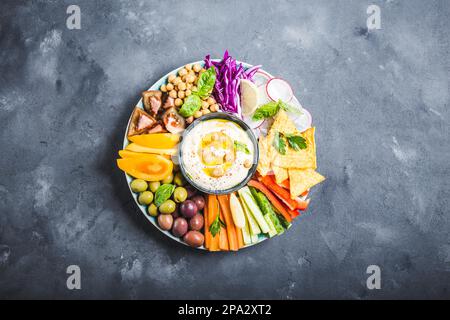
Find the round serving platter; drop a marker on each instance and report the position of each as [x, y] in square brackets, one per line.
[140, 105]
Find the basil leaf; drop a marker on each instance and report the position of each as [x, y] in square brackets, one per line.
[190, 106]
[239, 146]
[279, 144]
[214, 228]
[266, 111]
[296, 142]
[289, 108]
[163, 193]
[206, 83]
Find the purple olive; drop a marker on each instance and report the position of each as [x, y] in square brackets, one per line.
[199, 201]
[165, 221]
[188, 209]
[180, 227]
[191, 191]
[194, 238]
[196, 222]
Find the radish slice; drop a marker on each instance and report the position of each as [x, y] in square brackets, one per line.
[261, 78]
[278, 89]
[302, 121]
[263, 98]
[251, 123]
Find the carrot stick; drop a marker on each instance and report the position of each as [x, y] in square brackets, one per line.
[206, 226]
[279, 191]
[231, 229]
[273, 199]
[213, 211]
[223, 238]
[240, 238]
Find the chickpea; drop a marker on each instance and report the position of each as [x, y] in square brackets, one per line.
[169, 87]
[190, 79]
[218, 172]
[190, 119]
[181, 94]
[183, 78]
[188, 85]
[182, 72]
[198, 114]
[177, 80]
[214, 107]
[211, 101]
[178, 102]
[171, 77]
[188, 67]
[188, 93]
[163, 88]
[197, 67]
[173, 94]
[247, 163]
[205, 105]
[182, 86]
[206, 111]
[194, 88]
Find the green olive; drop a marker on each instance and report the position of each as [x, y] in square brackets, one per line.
[145, 198]
[138, 185]
[152, 210]
[180, 194]
[154, 186]
[167, 207]
[167, 179]
[178, 179]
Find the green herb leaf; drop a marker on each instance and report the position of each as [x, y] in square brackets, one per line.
[279, 144]
[289, 108]
[206, 83]
[267, 110]
[296, 142]
[239, 146]
[163, 193]
[190, 106]
[214, 228]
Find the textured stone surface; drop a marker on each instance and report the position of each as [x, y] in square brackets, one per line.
[380, 101]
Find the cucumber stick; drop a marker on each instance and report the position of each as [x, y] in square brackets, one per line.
[246, 229]
[253, 227]
[272, 231]
[254, 209]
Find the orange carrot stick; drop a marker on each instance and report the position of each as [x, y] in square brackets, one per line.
[240, 238]
[279, 191]
[231, 229]
[213, 211]
[273, 199]
[223, 238]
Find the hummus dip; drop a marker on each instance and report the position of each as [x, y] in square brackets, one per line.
[217, 154]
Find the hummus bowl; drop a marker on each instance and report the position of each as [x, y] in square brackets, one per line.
[218, 153]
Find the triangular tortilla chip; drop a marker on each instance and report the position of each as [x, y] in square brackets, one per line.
[264, 157]
[281, 174]
[302, 180]
[302, 159]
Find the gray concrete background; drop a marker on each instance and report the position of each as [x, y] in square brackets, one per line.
[379, 99]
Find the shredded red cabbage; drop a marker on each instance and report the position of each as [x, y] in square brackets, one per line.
[228, 74]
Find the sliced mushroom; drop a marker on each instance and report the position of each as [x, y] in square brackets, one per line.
[140, 122]
[173, 121]
[152, 100]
